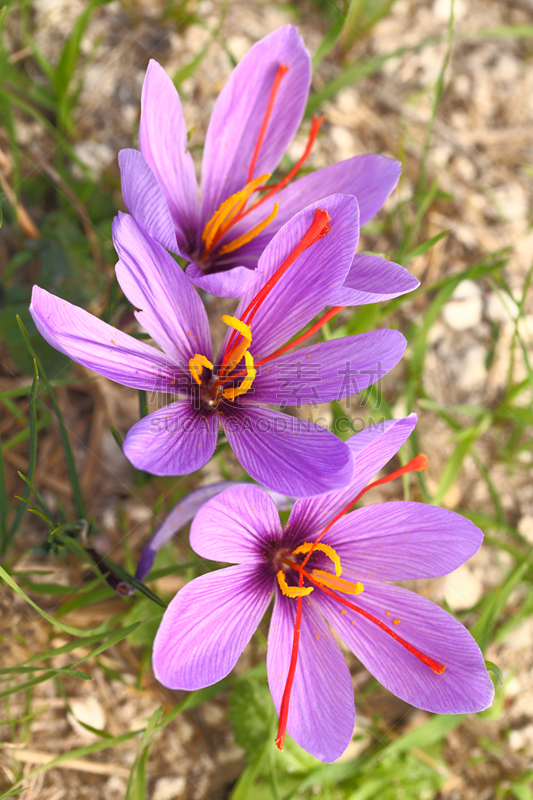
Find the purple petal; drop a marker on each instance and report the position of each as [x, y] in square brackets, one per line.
[321, 709]
[145, 200]
[370, 450]
[99, 346]
[174, 440]
[236, 526]
[171, 309]
[287, 454]
[370, 178]
[373, 279]
[308, 284]
[239, 112]
[463, 687]
[207, 626]
[163, 142]
[329, 370]
[400, 540]
[177, 518]
[232, 283]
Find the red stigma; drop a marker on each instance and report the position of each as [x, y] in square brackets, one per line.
[313, 133]
[284, 708]
[270, 191]
[435, 666]
[317, 230]
[417, 464]
[282, 69]
[313, 329]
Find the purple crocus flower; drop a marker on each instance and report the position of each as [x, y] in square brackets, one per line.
[414, 648]
[300, 271]
[224, 231]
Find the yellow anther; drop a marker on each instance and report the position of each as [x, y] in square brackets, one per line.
[231, 394]
[227, 211]
[292, 591]
[247, 237]
[196, 366]
[339, 584]
[324, 548]
[239, 325]
[239, 350]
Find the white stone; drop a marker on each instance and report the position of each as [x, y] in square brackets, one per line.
[344, 141]
[115, 788]
[462, 588]
[525, 527]
[239, 45]
[511, 201]
[213, 715]
[465, 307]
[472, 372]
[169, 788]
[95, 155]
[89, 711]
[500, 307]
[442, 9]
[465, 168]
[521, 637]
[462, 85]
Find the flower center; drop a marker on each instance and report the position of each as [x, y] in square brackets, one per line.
[326, 582]
[318, 576]
[233, 209]
[239, 351]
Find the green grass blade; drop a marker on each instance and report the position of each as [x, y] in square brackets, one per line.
[328, 42]
[357, 72]
[79, 502]
[439, 89]
[425, 246]
[79, 752]
[57, 623]
[32, 461]
[4, 505]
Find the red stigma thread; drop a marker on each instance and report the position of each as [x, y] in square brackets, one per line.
[436, 666]
[316, 327]
[271, 190]
[239, 214]
[417, 464]
[282, 69]
[317, 230]
[284, 708]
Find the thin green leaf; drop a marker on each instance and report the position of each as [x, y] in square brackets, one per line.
[116, 436]
[32, 460]
[70, 629]
[21, 687]
[425, 246]
[492, 667]
[79, 752]
[69, 457]
[137, 780]
[357, 72]
[328, 42]
[4, 505]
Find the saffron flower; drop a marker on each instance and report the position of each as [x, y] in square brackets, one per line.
[328, 568]
[223, 231]
[300, 271]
